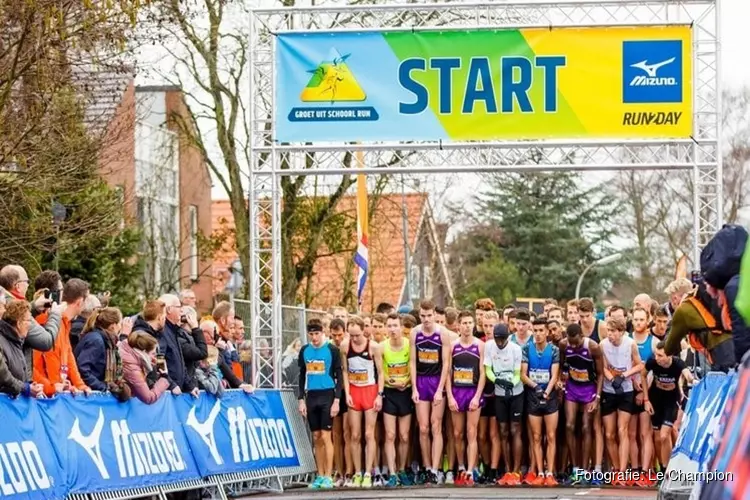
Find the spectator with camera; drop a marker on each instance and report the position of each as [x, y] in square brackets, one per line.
[146, 375]
[191, 340]
[57, 370]
[171, 347]
[228, 377]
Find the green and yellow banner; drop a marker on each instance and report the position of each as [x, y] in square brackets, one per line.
[616, 82]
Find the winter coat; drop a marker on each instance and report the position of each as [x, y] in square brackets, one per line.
[135, 373]
[169, 346]
[194, 349]
[14, 372]
[76, 327]
[208, 379]
[91, 357]
[48, 365]
[42, 332]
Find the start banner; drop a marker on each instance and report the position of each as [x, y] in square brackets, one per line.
[536, 83]
[54, 447]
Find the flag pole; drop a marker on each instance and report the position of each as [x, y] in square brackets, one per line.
[361, 255]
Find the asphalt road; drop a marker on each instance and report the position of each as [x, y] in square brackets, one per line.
[465, 493]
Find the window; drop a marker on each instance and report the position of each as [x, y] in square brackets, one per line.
[193, 218]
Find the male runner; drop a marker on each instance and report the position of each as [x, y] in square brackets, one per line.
[429, 370]
[571, 312]
[554, 331]
[397, 403]
[590, 324]
[666, 393]
[451, 319]
[379, 331]
[488, 427]
[363, 382]
[464, 387]
[439, 316]
[582, 382]
[522, 335]
[661, 320]
[502, 361]
[512, 321]
[481, 306]
[549, 304]
[555, 314]
[540, 369]
[621, 363]
[379, 335]
[506, 313]
[342, 434]
[641, 421]
[320, 383]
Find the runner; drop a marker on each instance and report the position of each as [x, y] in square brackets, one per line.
[640, 424]
[379, 335]
[363, 382]
[429, 370]
[555, 331]
[661, 320]
[540, 369]
[590, 324]
[342, 456]
[571, 312]
[522, 337]
[621, 363]
[582, 382]
[464, 387]
[481, 306]
[488, 428]
[320, 382]
[549, 304]
[502, 361]
[512, 321]
[555, 314]
[379, 331]
[397, 403]
[666, 393]
[506, 313]
[449, 463]
[367, 319]
[451, 319]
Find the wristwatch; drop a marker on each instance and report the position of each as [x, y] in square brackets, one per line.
[381, 394]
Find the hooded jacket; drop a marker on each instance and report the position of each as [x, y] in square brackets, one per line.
[91, 356]
[48, 365]
[721, 260]
[14, 372]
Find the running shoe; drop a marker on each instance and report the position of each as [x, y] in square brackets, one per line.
[595, 480]
[468, 479]
[449, 478]
[515, 479]
[392, 481]
[631, 478]
[439, 478]
[348, 481]
[529, 478]
[476, 476]
[378, 481]
[357, 480]
[339, 482]
[326, 483]
[405, 479]
[577, 479]
[550, 480]
[421, 477]
[461, 478]
[366, 481]
[431, 478]
[315, 485]
[506, 479]
[538, 480]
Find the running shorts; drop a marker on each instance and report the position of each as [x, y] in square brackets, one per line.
[665, 413]
[463, 397]
[363, 398]
[427, 387]
[618, 402]
[509, 409]
[319, 410]
[398, 403]
[539, 408]
[488, 410]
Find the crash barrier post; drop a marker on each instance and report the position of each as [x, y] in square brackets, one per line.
[95, 448]
[699, 435]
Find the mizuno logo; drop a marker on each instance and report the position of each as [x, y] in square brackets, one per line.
[206, 430]
[651, 69]
[90, 443]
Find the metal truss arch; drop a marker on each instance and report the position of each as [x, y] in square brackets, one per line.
[701, 154]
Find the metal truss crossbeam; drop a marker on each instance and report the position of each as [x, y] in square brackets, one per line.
[701, 154]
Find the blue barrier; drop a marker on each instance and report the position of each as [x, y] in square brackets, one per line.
[65, 445]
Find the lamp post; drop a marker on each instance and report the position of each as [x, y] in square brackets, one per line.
[601, 262]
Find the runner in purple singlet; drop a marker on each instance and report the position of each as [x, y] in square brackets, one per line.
[429, 369]
[583, 374]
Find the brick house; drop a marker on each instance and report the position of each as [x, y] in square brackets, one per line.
[164, 183]
[334, 276]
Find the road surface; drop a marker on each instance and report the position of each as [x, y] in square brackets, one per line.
[459, 493]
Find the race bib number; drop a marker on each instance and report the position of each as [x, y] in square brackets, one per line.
[358, 377]
[463, 376]
[665, 384]
[428, 357]
[579, 375]
[400, 370]
[315, 367]
[539, 376]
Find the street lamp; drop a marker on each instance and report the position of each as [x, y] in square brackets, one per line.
[601, 262]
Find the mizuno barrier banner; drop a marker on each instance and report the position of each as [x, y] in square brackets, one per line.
[54, 447]
[536, 83]
[238, 432]
[107, 446]
[29, 466]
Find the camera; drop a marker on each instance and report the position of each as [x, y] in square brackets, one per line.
[53, 296]
[183, 319]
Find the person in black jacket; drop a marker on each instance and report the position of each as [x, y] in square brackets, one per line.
[170, 346]
[192, 342]
[211, 334]
[15, 374]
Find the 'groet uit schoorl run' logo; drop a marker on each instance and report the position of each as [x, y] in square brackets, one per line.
[251, 438]
[137, 453]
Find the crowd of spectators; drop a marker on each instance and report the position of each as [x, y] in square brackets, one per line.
[68, 340]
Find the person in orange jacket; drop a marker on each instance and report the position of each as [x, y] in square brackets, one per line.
[56, 370]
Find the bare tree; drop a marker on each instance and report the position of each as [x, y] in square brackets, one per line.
[736, 154]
